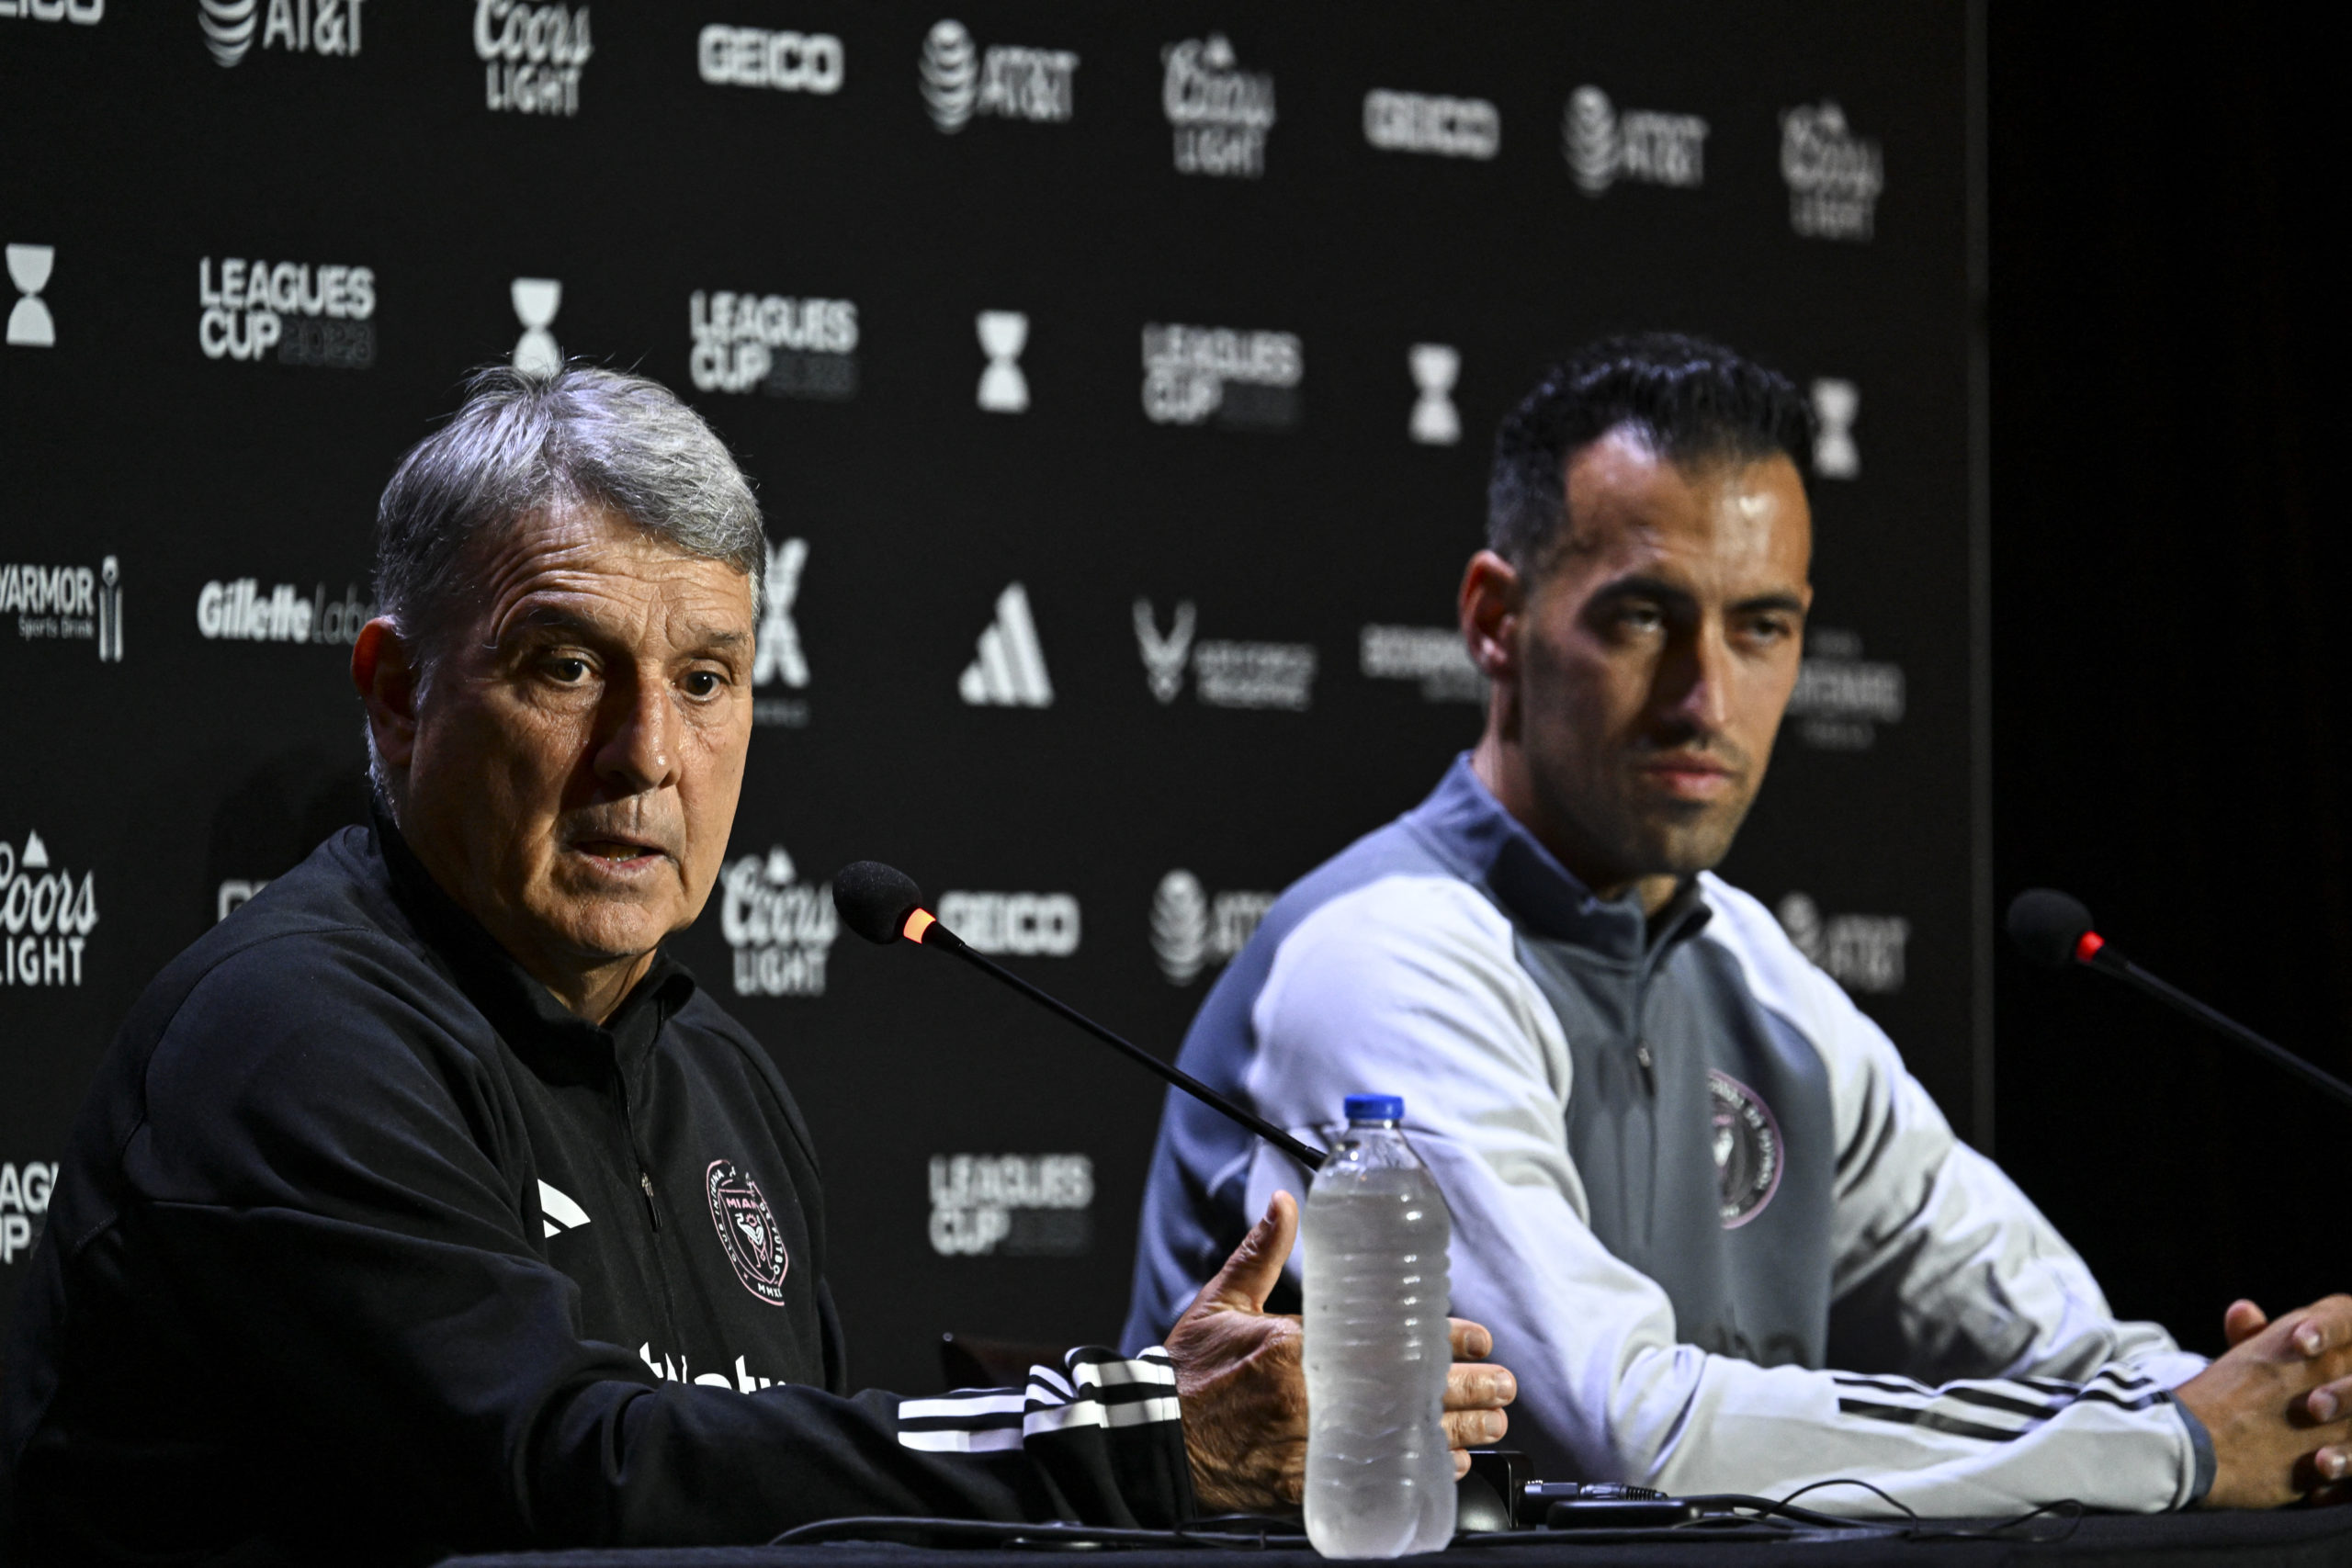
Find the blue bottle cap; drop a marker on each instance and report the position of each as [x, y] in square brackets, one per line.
[1376, 1108]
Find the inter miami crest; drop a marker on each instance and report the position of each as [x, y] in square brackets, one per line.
[747, 1229]
[1747, 1147]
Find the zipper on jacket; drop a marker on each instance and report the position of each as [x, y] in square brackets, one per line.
[652, 1208]
[1648, 1065]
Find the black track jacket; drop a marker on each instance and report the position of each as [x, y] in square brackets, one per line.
[366, 1250]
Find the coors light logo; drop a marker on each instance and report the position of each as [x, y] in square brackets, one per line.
[1220, 114]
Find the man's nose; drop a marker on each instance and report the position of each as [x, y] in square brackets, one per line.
[1697, 680]
[638, 751]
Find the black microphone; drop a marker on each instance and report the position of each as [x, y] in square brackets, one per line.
[882, 904]
[2056, 930]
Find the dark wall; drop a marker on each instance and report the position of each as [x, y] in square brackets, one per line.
[1130, 795]
[2171, 699]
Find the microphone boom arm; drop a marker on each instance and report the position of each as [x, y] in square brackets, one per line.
[2106, 961]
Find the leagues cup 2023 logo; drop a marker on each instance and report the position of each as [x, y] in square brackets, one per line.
[747, 1229]
[311, 315]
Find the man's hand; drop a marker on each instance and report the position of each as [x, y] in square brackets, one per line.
[1241, 1375]
[2278, 1405]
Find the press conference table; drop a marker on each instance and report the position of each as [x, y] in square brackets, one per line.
[2298, 1540]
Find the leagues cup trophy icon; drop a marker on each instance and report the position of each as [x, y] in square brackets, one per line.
[1435, 366]
[29, 324]
[1003, 335]
[537, 300]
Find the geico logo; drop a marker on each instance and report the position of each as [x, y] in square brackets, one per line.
[85, 12]
[753, 57]
[48, 590]
[1420, 122]
[543, 35]
[22, 1196]
[1027, 924]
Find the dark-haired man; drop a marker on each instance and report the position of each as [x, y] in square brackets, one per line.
[1688, 1177]
[425, 1206]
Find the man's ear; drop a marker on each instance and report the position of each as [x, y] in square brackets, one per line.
[385, 677]
[1490, 605]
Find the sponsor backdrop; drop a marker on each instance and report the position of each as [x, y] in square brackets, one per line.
[1118, 383]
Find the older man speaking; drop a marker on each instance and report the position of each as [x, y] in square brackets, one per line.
[424, 1205]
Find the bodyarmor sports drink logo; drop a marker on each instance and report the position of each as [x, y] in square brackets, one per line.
[1432, 656]
[779, 660]
[1010, 81]
[1834, 176]
[1861, 953]
[1009, 668]
[1436, 367]
[30, 325]
[1191, 932]
[781, 929]
[1245, 380]
[87, 12]
[535, 301]
[532, 55]
[1841, 698]
[1425, 122]
[1003, 335]
[1603, 146]
[1025, 925]
[1021, 1205]
[1220, 114]
[240, 611]
[747, 1229]
[753, 57]
[299, 27]
[1225, 675]
[1835, 405]
[25, 1192]
[71, 603]
[321, 315]
[1747, 1149]
[45, 917]
[786, 347]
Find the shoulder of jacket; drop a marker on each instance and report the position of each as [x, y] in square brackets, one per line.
[1779, 977]
[1428, 915]
[710, 1029]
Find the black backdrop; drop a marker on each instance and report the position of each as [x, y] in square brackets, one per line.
[1189, 701]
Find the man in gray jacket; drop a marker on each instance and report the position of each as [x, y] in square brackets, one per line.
[1688, 1177]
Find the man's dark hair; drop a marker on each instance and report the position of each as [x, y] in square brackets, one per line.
[1693, 401]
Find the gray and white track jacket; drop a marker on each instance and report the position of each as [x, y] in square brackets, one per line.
[1689, 1177]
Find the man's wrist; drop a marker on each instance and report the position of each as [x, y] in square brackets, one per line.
[2200, 1443]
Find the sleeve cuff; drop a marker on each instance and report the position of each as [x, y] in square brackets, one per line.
[2202, 1442]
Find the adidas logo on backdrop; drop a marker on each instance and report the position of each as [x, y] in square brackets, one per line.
[1010, 670]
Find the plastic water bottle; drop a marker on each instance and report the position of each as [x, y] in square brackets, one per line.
[1379, 1472]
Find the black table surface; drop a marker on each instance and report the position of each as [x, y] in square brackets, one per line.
[2293, 1540]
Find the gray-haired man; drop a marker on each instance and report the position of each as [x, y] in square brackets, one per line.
[424, 1205]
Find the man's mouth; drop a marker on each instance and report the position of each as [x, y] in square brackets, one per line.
[1688, 776]
[616, 851]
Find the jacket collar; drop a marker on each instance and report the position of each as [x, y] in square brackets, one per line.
[525, 1012]
[1467, 825]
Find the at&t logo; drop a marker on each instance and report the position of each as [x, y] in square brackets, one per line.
[1010, 81]
[1191, 932]
[1861, 953]
[45, 917]
[1220, 114]
[71, 603]
[29, 323]
[311, 315]
[532, 55]
[1603, 146]
[24, 1198]
[1834, 176]
[299, 26]
[782, 929]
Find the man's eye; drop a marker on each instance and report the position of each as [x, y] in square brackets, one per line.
[1641, 617]
[566, 671]
[704, 683]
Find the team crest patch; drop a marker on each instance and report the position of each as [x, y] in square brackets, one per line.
[1748, 1149]
[747, 1229]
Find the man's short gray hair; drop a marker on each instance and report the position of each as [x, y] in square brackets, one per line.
[523, 445]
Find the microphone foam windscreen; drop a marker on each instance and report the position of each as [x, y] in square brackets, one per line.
[874, 899]
[2047, 925]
